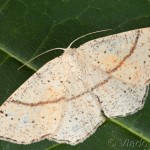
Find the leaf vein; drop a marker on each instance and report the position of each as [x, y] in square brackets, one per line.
[4, 6]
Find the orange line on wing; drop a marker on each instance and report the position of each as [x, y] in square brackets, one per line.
[60, 99]
[37, 104]
[97, 85]
[127, 56]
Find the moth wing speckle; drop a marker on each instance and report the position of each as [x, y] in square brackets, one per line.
[126, 55]
[33, 112]
[82, 117]
[121, 99]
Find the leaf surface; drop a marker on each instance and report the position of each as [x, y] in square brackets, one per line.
[29, 27]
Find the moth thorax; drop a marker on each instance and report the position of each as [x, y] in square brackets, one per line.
[71, 55]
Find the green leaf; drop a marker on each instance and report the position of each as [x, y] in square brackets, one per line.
[29, 27]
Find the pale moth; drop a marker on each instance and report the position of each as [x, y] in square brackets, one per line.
[69, 97]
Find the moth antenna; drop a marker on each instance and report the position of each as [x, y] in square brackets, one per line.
[40, 55]
[86, 35]
[62, 48]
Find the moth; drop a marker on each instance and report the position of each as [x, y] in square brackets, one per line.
[68, 98]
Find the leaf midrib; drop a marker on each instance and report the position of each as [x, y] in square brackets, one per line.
[4, 6]
[18, 59]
